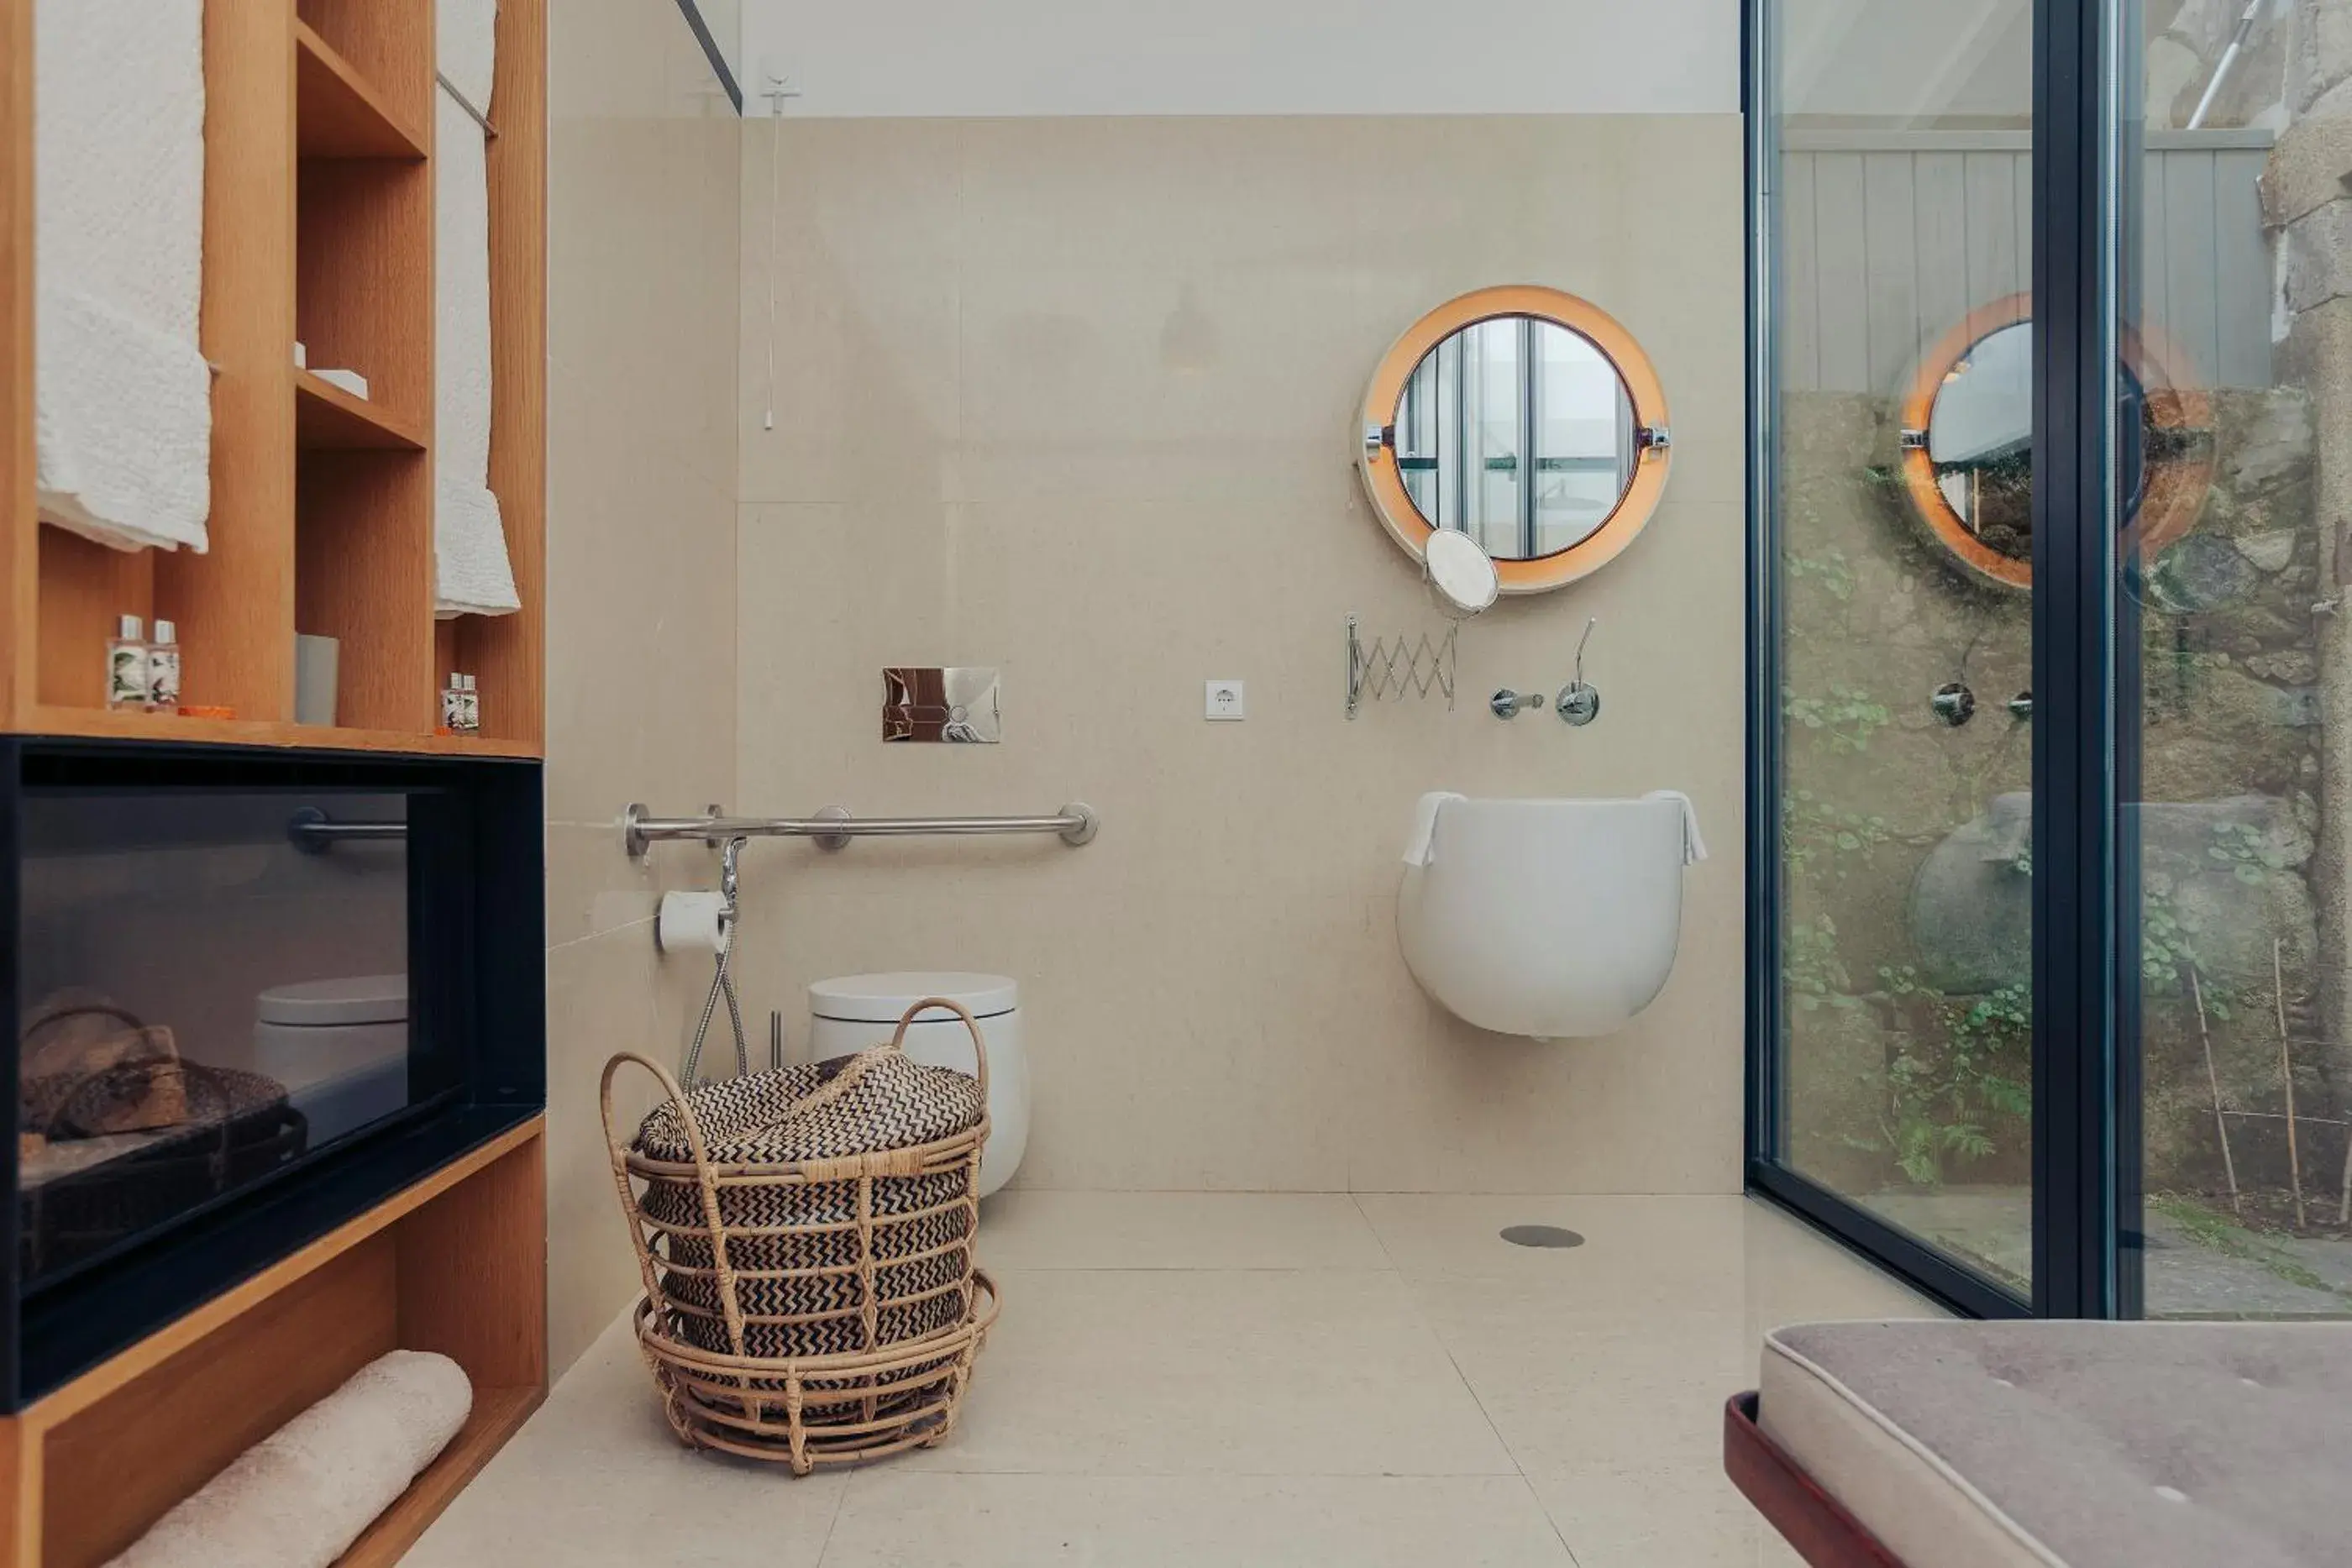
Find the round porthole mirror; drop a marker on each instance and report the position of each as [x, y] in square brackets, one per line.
[1524, 420]
[1967, 444]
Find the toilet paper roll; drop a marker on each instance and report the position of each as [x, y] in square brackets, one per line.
[690, 922]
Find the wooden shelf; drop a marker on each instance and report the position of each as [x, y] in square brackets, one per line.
[454, 1263]
[320, 118]
[103, 723]
[337, 113]
[329, 419]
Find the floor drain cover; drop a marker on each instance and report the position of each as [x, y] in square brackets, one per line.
[1541, 1236]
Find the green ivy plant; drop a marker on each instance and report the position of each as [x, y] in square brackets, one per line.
[1821, 839]
[1816, 976]
[1829, 570]
[1948, 1090]
[1846, 718]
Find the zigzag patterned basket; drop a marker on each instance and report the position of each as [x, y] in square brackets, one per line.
[805, 1240]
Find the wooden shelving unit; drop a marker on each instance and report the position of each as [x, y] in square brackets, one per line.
[456, 1264]
[319, 227]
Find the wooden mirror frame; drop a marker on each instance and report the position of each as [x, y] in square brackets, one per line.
[2172, 494]
[1376, 454]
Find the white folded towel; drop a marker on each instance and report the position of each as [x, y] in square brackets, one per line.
[123, 427]
[1420, 846]
[469, 552]
[303, 1494]
[1694, 847]
[123, 395]
[473, 574]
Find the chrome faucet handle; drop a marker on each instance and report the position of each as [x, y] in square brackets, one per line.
[1508, 704]
[1580, 704]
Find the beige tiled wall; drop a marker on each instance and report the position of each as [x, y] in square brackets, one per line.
[1074, 397]
[641, 554]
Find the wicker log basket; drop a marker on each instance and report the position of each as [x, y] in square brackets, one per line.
[805, 1239]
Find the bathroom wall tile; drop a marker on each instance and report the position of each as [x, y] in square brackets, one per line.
[1215, 1359]
[643, 329]
[600, 999]
[1152, 192]
[639, 627]
[1177, 1521]
[1031, 1228]
[1077, 402]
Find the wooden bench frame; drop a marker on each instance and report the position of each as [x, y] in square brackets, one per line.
[1812, 1522]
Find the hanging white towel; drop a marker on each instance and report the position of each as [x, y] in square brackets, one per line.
[466, 39]
[123, 395]
[1694, 847]
[473, 575]
[1421, 845]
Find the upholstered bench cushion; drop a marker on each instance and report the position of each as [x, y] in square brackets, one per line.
[2086, 1445]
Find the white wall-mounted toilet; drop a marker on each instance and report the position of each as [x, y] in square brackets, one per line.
[850, 1014]
[340, 1046]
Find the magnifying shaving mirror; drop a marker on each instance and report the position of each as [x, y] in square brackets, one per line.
[1461, 573]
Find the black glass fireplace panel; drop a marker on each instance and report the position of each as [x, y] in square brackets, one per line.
[213, 986]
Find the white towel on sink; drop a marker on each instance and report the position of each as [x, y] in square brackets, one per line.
[1694, 847]
[473, 573]
[123, 395]
[1421, 845]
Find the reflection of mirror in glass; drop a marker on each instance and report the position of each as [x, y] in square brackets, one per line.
[1484, 398]
[1980, 440]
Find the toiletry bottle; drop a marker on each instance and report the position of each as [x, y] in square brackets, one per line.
[453, 703]
[471, 718]
[163, 669]
[126, 666]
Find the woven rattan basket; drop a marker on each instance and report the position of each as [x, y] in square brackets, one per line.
[805, 1240]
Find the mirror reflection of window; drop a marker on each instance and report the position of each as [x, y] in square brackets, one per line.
[1487, 395]
[1980, 440]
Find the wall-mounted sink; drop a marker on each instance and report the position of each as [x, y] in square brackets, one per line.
[1552, 918]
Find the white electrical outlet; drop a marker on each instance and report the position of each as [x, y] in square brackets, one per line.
[1227, 703]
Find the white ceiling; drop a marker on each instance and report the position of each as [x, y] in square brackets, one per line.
[994, 58]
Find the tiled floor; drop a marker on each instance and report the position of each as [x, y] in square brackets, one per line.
[1243, 1379]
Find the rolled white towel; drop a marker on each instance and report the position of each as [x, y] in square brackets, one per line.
[1694, 847]
[299, 1498]
[1421, 845]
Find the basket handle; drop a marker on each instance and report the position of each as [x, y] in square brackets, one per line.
[979, 1040]
[705, 1178]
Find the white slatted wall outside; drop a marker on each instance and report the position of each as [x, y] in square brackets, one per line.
[1890, 239]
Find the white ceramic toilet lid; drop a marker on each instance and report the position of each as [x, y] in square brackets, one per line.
[328, 1004]
[884, 998]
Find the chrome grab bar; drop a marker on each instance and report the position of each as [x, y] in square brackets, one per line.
[832, 828]
[314, 832]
